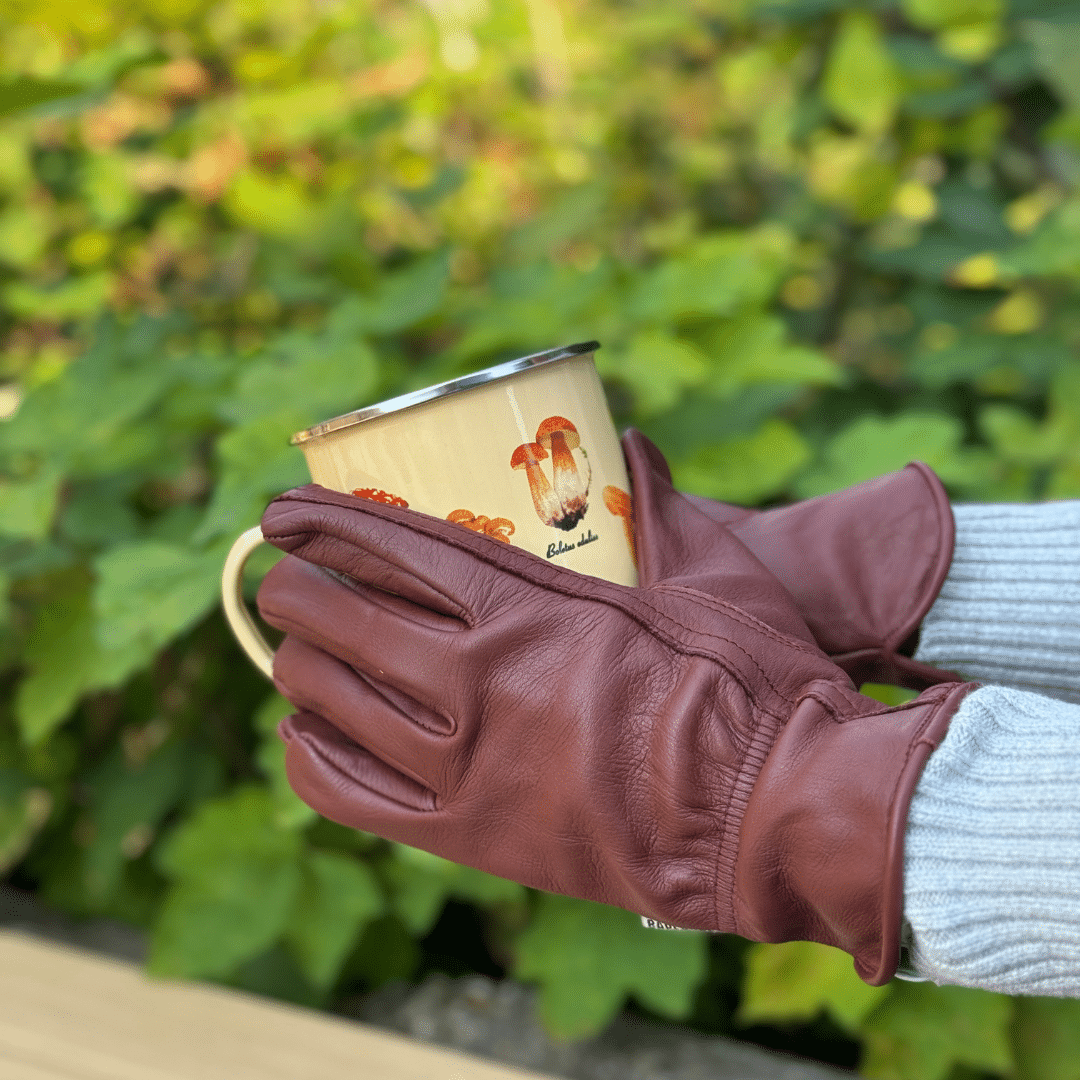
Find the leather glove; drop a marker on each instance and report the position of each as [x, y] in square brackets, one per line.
[682, 749]
[863, 565]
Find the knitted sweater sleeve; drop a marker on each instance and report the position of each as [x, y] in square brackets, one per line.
[992, 857]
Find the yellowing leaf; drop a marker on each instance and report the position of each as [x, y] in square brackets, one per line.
[273, 205]
[24, 810]
[797, 980]
[861, 82]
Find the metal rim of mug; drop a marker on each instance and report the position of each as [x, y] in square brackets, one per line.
[453, 386]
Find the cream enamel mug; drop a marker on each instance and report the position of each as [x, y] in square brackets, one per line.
[525, 452]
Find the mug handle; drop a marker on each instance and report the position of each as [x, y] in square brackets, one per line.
[232, 600]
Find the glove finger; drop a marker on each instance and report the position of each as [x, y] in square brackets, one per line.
[408, 736]
[434, 563]
[350, 785]
[384, 636]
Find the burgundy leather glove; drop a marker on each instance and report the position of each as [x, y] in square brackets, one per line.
[863, 566]
[682, 749]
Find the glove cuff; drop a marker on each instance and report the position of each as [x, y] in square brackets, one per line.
[821, 846]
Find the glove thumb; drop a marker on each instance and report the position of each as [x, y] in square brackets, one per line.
[678, 545]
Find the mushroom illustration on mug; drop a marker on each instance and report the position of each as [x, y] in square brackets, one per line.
[559, 436]
[499, 528]
[528, 457]
[380, 496]
[618, 503]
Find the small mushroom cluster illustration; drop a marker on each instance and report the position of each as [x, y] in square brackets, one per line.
[618, 503]
[499, 528]
[561, 502]
[380, 496]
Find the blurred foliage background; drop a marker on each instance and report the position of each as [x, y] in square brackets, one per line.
[817, 238]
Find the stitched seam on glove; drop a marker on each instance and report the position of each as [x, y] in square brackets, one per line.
[727, 850]
[739, 615]
[671, 641]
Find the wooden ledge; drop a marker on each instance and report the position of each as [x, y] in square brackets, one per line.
[71, 1015]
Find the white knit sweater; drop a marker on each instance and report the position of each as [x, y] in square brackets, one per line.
[992, 857]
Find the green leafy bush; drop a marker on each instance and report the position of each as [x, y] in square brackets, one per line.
[817, 238]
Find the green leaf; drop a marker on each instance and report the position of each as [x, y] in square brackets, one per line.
[797, 980]
[233, 828]
[753, 348]
[76, 419]
[66, 661]
[338, 898]
[888, 694]
[405, 298]
[308, 377]
[700, 419]
[149, 593]
[1017, 437]
[128, 802]
[719, 274]
[387, 952]
[587, 958]
[935, 14]
[237, 878]
[1046, 1039]
[872, 446]
[75, 298]
[421, 883]
[745, 470]
[107, 188]
[24, 235]
[922, 1030]
[861, 82]
[21, 95]
[657, 367]
[257, 463]
[27, 507]
[291, 810]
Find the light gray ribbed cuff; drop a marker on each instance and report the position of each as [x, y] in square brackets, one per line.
[1009, 611]
[992, 855]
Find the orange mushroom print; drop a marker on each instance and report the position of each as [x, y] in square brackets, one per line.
[618, 502]
[559, 436]
[380, 496]
[527, 457]
[499, 528]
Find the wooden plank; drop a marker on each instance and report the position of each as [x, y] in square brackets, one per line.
[71, 1015]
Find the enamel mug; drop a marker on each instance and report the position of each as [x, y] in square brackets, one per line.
[525, 453]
